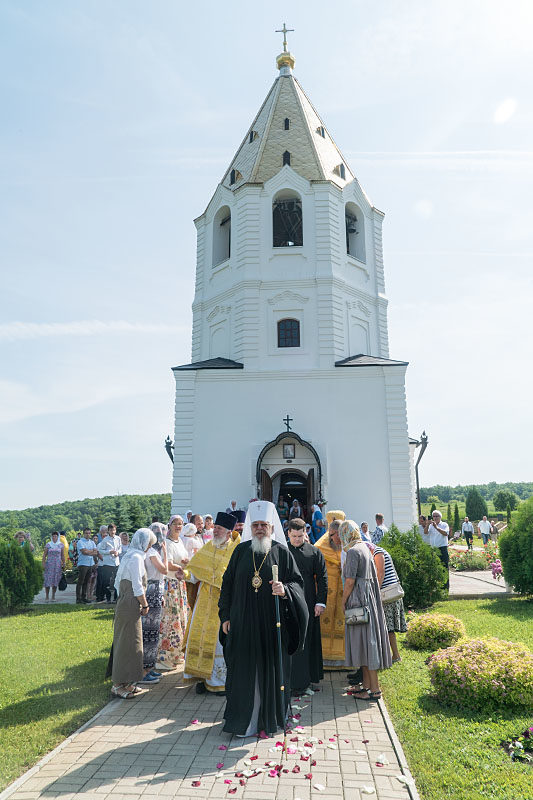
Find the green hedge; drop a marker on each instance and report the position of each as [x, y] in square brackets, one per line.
[420, 570]
[516, 549]
[21, 577]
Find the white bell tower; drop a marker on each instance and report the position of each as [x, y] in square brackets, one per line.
[290, 321]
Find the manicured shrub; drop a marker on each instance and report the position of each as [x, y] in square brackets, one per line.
[516, 549]
[431, 631]
[419, 568]
[483, 674]
[21, 577]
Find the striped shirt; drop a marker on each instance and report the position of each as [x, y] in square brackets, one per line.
[390, 572]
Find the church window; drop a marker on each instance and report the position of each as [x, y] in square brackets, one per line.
[286, 158]
[221, 235]
[355, 232]
[321, 131]
[287, 123]
[342, 171]
[287, 221]
[232, 177]
[253, 135]
[288, 333]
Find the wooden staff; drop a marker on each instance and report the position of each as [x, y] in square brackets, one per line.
[280, 660]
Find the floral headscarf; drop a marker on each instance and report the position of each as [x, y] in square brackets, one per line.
[349, 534]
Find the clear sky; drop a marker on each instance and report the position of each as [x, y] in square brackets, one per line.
[118, 121]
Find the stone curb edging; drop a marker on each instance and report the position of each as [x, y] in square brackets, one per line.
[8, 791]
[480, 596]
[400, 755]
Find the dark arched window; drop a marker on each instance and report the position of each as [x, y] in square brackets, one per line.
[288, 333]
[287, 222]
[286, 158]
[287, 123]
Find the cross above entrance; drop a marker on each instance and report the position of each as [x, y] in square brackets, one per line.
[287, 420]
[285, 31]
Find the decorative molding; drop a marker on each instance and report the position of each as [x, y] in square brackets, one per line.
[218, 310]
[284, 297]
[360, 305]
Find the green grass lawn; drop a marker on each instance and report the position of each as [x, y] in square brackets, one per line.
[454, 753]
[52, 665]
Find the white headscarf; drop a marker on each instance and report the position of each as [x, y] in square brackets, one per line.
[55, 545]
[263, 511]
[140, 542]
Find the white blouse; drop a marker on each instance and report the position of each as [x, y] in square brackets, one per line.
[176, 551]
[134, 571]
[152, 573]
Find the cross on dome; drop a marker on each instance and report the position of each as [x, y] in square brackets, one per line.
[285, 31]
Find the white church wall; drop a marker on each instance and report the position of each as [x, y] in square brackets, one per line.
[353, 423]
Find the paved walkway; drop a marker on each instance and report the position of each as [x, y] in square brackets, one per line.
[162, 744]
[68, 596]
[474, 584]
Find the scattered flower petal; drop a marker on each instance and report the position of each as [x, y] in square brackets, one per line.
[368, 790]
[365, 741]
[273, 773]
[382, 758]
[403, 779]
[294, 739]
[247, 762]
[309, 776]
[262, 735]
[285, 770]
[227, 780]
[319, 786]
[232, 791]
[221, 746]
[195, 721]
[220, 765]
[296, 768]
[254, 758]
[304, 758]
[332, 747]
[313, 763]
[242, 782]
[291, 750]
[331, 739]
[196, 784]
[347, 741]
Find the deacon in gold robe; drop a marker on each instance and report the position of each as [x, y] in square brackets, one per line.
[332, 620]
[204, 658]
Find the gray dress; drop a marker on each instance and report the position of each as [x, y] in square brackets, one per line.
[366, 645]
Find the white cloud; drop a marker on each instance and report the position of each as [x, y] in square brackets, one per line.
[505, 111]
[17, 331]
[424, 208]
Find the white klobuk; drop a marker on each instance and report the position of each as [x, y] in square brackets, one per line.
[290, 323]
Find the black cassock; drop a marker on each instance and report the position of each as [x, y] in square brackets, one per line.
[250, 648]
[307, 666]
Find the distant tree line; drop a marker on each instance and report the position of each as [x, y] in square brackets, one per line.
[447, 494]
[128, 511]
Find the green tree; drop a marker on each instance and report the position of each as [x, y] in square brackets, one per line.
[432, 509]
[433, 498]
[449, 517]
[504, 498]
[137, 516]
[509, 514]
[476, 507]
[516, 549]
[123, 520]
[456, 519]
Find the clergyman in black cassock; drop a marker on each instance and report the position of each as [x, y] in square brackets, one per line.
[307, 666]
[250, 646]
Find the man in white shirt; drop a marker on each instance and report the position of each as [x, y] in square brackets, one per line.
[484, 529]
[467, 530]
[86, 552]
[436, 534]
[109, 551]
[380, 531]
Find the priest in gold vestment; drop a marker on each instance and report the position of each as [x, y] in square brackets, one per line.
[332, 620]
[204, 659]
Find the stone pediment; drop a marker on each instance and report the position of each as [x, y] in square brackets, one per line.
[287, 297]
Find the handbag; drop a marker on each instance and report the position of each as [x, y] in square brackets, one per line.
[391, 593]
[62, 585]
[357, 616]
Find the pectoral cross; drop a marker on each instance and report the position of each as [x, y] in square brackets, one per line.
[287, 420]
[285, 31]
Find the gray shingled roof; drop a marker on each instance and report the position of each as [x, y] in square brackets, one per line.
[212, 363]
[361, 360]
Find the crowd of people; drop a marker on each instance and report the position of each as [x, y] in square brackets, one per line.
[206, 594]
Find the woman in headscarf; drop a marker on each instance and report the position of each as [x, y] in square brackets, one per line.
[317, 524]
[126, 660]
[394, 612]
[156, 564]
[53, 563]
[174, 617]
[367, 644]
[191, 540]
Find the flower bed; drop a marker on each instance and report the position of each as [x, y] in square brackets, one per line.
[483, 673]
[431, 631]
[474, 560]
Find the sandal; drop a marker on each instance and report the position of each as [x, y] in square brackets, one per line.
[375, 696]
[122, 692]
[362, 694]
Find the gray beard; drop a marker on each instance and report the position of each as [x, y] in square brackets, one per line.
[261, 546]
[220, 542]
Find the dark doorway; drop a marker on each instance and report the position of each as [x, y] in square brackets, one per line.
[293, 486]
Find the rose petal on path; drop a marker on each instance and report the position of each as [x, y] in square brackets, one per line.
[313, 739]
[403, 779]
[297, 716]
[273, 773]
[285, 770]
[291, 750]
[232, 791]
[313, 764]
[296, 768]
[242, 782]
[332, 747]
[365, 741]
[227, 780]
[304, 758]
[262, 735]
[298, 728]
[347, 741]
[196, 783]
[382, 758]
[254, 758]
[368, 790]
[222, 747]
[309, 776]
[319, 787]
[368, 720]
[294, 739]
[220, 765]
[247, 762]
[195, 721]
[331, 738]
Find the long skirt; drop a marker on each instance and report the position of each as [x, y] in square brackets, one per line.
[173, 623]
[395, 617]
[127, 649]
[368, 645]
[151, 622]
[52, 568]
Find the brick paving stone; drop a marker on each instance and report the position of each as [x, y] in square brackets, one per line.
[149, 748]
